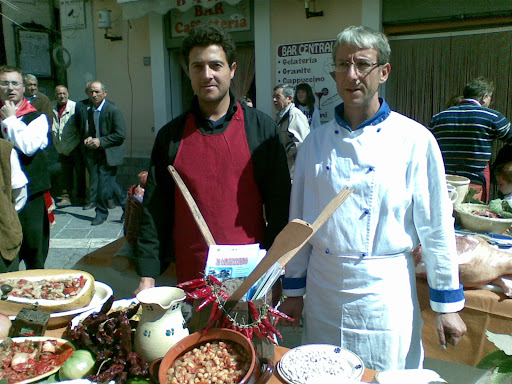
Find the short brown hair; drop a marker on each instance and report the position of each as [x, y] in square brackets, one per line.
[8, 68]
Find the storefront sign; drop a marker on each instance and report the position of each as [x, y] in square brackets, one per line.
[232, 18]
[310, 63]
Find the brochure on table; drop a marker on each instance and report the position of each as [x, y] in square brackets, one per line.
[238, 261]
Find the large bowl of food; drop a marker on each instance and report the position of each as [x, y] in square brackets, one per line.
[219, 355]
[479, 218]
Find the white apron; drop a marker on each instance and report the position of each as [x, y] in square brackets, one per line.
[355, 303]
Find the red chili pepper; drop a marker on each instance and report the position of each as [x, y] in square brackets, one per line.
[279, 314]
[215, 308]
[271, 338]
[257, 332]
[222, 293]
[193, 284]
[201, 293]
[253, 311]
[270, 327]
[206, 301]
[214, 280]
[225, 322]
[249, 331]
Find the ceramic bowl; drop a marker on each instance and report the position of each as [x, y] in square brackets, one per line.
[478, 223]
[461, 185]
[254, 374]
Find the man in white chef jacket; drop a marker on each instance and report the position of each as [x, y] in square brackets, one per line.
[357, 271]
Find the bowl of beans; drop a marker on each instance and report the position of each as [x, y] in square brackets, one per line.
[220, 356]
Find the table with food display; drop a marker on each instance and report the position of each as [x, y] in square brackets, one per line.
[105, 340]
[75, 326]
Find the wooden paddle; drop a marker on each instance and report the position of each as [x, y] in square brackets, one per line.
[286, 245]
[196, 213]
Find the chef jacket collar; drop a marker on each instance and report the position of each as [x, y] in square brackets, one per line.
[381, 115]
[209, 125]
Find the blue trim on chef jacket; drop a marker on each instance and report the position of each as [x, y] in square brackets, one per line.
[381, 115]
[294, 283]
[453, 296]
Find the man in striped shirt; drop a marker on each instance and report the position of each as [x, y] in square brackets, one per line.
[465, 133]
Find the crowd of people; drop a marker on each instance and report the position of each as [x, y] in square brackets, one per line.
[354, 280]
[87, 135]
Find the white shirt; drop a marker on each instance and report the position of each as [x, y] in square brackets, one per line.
[28, 139]
[96, 116]
[18, 181]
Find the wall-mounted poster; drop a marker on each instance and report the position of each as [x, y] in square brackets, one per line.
[34, 53]
[311, 63]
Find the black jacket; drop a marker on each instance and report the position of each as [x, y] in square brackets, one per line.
[154, 243]
[112, 129]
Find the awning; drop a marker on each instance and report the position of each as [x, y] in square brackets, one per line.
[133, 9]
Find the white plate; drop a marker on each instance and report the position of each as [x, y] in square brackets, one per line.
[101, 294]
[406, 376]
[123, 303]
[42, 338]
[314, 362]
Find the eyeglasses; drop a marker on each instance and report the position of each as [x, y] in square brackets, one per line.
[361, 66]
[15, 84]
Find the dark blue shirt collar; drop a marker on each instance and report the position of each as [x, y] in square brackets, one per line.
[381, 115]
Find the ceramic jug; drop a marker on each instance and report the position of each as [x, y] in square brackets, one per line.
[161, 324]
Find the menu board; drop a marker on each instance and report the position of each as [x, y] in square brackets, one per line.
[34, 53]
[311, 63]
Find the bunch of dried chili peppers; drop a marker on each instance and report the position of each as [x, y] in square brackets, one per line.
[211, 291]
[109, 337]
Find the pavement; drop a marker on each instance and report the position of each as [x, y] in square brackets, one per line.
[73, 236]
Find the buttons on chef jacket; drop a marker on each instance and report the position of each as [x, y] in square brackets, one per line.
[371, 169]
[327, 251]
[366, 211]
[336, 131]
[327, 167]
[378, 129]
[364, 254]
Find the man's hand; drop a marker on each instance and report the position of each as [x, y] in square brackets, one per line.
[450, 328]
[145, 283]
[92, 142]
[292, 306]
[8, 109]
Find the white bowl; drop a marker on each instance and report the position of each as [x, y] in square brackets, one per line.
[461, 185]
[478, 223]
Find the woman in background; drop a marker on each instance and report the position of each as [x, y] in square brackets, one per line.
[305, 101]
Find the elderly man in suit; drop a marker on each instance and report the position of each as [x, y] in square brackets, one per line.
[104, 132]
[39, 100]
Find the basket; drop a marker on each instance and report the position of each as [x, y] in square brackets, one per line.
[478, 223]
[131, 217]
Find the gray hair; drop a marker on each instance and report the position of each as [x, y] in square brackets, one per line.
[90, 83]
[288, 90]
[30, 77]
[364, 37]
